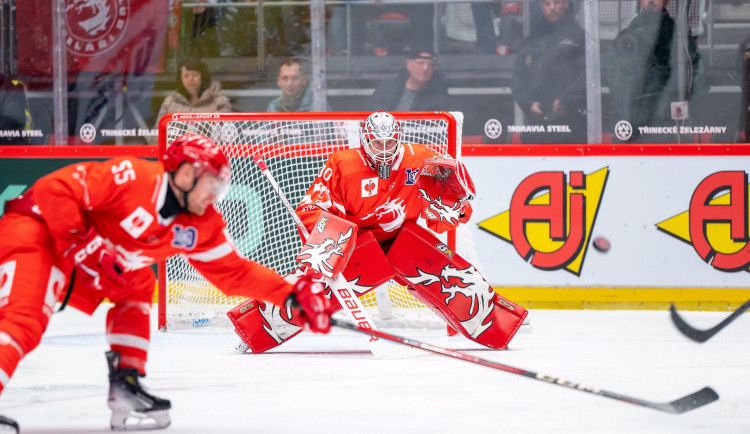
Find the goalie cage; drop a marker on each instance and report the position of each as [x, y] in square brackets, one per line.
[294, 146]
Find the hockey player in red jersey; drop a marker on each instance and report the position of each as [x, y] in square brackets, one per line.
[384, 187]
[91, 230]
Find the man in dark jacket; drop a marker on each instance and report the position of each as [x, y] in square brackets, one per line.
[641, 71]
[743, 63]
[549, 78]
[417, 87]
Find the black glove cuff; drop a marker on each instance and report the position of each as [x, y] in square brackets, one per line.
[291, 301]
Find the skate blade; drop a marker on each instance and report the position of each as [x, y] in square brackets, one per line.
[125, 420]
[242, 347]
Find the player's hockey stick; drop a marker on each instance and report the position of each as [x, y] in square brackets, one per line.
[340, 287]
[704, 335]
[681, 405]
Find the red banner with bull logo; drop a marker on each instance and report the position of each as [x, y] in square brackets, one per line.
[110, 36]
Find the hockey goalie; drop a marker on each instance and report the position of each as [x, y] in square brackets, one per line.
[382, 189]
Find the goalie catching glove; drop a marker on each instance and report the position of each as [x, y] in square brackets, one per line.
[308, 297]
[97, 258]
[446, 189]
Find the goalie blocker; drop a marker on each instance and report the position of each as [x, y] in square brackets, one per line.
[434, 274]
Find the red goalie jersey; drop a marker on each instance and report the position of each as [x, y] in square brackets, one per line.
[349, 188]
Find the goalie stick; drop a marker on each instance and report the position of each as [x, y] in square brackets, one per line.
[338, 284]
[680, 405]
[704, 335]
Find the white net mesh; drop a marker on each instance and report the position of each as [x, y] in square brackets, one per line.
[295, 147]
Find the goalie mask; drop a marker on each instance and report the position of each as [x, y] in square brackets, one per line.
[381, 141]
[204, 155]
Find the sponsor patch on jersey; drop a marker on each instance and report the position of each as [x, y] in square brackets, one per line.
[137, 222]
[411, 176]
[249, 306]
[370, 187]
[321, 224]
[184, 238]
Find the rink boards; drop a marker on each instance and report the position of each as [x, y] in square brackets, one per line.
[675, 218]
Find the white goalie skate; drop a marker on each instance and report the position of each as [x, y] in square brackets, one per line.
[133, 409]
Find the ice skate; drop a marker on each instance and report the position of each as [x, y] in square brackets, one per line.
[242, 347]
[8, 425]
[132, 407]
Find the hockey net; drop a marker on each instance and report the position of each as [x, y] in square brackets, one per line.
[294, 146]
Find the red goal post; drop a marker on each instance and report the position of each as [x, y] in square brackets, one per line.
[294, 146]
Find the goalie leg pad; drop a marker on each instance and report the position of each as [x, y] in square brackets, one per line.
[454, 288]
[368, 267]
[262, 326]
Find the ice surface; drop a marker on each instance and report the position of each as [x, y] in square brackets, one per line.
[331, 383]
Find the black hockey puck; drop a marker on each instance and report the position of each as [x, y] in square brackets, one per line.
[601, 244]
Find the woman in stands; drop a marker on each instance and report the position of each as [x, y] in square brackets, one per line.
[196, 92]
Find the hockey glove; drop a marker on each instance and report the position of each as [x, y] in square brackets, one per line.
[443, 214]
[97, 259]
[309, 298]
[446, 176]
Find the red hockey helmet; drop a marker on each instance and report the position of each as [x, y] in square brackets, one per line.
[381, 141]
[201, 152]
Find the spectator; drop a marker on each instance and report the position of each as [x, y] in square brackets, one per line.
[417, 87]
[549, 77]
[743, 61]
[196, 92]
[203, 35]
[641, 70]
[388, 25]
[295, 93]
[472, 23]
[483, 13]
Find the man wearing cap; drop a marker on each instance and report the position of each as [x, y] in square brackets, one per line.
[417, 87]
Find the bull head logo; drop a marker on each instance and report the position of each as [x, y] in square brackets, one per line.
[274, 323]
[320, 257]
[469, 283]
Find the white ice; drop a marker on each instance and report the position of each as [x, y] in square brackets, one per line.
[331, 383]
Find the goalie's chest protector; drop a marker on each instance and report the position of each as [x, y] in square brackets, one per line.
[382, 205]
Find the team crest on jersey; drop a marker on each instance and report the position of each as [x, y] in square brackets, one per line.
[369, 187]
[445, 249]
[137, 222]
[411, 176]
[184, 238]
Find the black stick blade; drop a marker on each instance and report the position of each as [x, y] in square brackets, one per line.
[695, 400]
[686, 329]
[704, 335]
